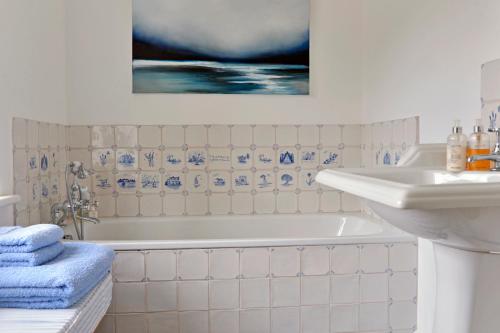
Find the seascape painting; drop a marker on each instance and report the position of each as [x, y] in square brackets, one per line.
[221, 46]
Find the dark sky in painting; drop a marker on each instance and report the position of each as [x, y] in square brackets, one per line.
[258, 31]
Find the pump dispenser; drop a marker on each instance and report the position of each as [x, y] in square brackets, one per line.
[456, 152]
[479, 144]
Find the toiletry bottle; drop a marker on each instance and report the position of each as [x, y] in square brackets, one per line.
[456, 150]
[479, 144]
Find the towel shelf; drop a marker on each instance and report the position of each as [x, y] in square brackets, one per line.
[7, 200]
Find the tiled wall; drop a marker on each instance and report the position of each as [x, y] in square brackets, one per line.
[384, 143]
[200, 170]
[39, 161]
[319, 289]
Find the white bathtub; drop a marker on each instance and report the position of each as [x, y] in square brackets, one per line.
[146, 233]
[249, 273]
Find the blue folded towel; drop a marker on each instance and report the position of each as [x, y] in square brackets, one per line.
[35, 258]
[30, 238]
[59, 283]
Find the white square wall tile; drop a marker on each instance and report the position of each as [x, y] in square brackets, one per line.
[330, 135]
[264, 203]
[315, 290]
[241, 136]
[403, 257]
[351, 135]
[102, 136]
[192, 264]
[330, 202]
[162, 322]
[219, 135]
[373, 316]
[192, 295]
[345, 259]
[129, 266]
[174, 204]
[219, 203]
[196, 136]
[403, 315]
[255, 293]
[107, 325]
[224, 264]
[127, 205]
[224, 321]
[224, 294]
[285, 320]
[131, 323]
[264, 135]
[374, 258]
[149, 136]
[151, 205]
[315, 319]
[193, 322]
[374, 287]
[129, 297]
[197, 204]
[79, 136]
[242, 203]
[345, 289]
[255, 321]
[286, 135]
[126, 136]
[350, 203]
[285, 292]
[403, 286]
[286, 203]
[315, 260]
[308, 202]
[161, 296]
[309, 135]
[344, 318]
[254, 262]
[285, 261]
[161, 265]
[173, 136]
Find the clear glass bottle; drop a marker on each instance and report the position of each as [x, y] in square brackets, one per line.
[456, 151]
[479, 144]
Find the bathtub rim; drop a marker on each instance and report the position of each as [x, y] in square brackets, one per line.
[389, 234]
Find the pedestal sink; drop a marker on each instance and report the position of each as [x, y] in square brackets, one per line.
[460, 213]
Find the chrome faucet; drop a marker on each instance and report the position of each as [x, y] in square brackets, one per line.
[79, 203]
[494, 156]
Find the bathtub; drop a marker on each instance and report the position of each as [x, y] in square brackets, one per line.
[266, 274]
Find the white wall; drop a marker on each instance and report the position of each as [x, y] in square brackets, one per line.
[424, 57]
[32, 72]
[99, 42]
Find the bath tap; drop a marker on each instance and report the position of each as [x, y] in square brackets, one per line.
[79, 202]
[494, 156]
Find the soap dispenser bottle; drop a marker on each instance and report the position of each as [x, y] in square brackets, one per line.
[456, 150]
[479, 144]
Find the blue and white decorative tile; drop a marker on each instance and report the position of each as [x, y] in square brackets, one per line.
[264, 181]
[104, 182]
[287, 158]
[44, 189]
[150, 182]
[126, 159]
[264, 158]
[33, 166]
[242, 181]
[126, 182]
[173, 182]
[150, 159]
[173, 159]
[387, 158]
[103, 159]
[196, 158]
[287, 180]
[44, 162]
[307, 181]
[309, 157]
[242, 158]
[220, 181]
[54, 161]
[330, 158]
[54, 187]
[35, 194]
[219, 158]
[196, 181]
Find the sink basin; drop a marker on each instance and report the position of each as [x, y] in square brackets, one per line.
[460, 213]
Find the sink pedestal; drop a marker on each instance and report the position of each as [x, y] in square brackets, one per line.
[468, 291]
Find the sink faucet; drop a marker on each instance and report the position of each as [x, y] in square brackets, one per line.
[79, 203]
[494, 156]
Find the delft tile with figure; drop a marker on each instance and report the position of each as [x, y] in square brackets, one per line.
[150, 182]
[220, 181]
[196, 181]
[196, 159]
[287, 158]
[242, 181]
[264, 158]
[150, 159]
[264, 181]
[329, 158]
[173, 159]
[126, 182]
[126, 159]
[173, 182]
[103, 159]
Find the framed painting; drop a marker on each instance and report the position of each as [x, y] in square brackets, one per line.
[221, 46]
